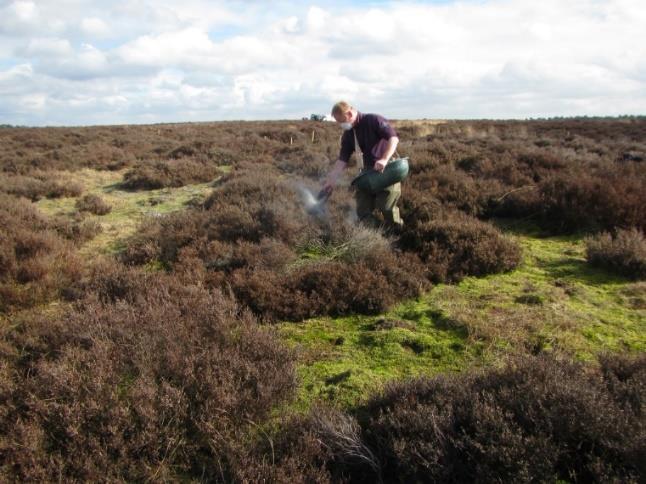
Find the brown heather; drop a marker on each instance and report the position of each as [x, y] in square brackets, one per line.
[93, 204]
[625, 253]
[150, 175]
[454, 245]
[537, 419]
[142, 374]
[37, 186]
[145, 379]
[247, 237]
[35, 262]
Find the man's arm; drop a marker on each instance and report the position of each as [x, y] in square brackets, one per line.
[347, 148]
[380, 164]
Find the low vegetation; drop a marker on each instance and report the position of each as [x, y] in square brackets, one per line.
[37, 185]
[454, 245]
[625, 253]
[500, 337]
[36, 263]
[149, 175]
[93, 204]
[144, 378]
[536, 419]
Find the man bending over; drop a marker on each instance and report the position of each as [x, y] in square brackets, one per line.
[377, 142]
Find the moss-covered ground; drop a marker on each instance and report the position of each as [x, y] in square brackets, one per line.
[553, 300]
[129, 208]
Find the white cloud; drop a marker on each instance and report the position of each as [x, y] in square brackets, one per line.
[23, 18]
[17, 16]
[24, 11]
[162, 60]
[95, 27]
[170, 48]
[44, 47]
[34, 102]
[289, 25]
[15, 77]
[318, 19]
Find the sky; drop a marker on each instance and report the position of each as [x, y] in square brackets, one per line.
[88, 62]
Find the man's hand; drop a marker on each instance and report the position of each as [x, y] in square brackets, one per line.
[380, 165]
[326, 190]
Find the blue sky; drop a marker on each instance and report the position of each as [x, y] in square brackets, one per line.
[80, 62]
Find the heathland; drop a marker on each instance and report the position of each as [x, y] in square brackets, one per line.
[169, 310]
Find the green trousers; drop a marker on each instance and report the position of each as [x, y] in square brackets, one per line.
[385, 201]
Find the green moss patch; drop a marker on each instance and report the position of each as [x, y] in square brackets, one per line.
[344, 360]
[553, 301]
[129, 208]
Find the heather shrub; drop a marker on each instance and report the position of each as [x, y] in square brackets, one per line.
[110, 282]
[625, 253]
[160, 380]
[233, 223]
[255, 204]
[164, 238]
[566, 200]
[62, 189]
[23, 186]
[93, 204]
[538, 164]
[537, 419]
[178, 230]
[338, 262]
[369, 286]
[454, 245]
[522, 202]
[305, 162]
[455, 189]
[77, 229]
[140, 250]
[150, 175]
[613, 197]
[213, 261]
[417, 207]
[252, 236]
[35, 262]
[336, 288]
[196, 149]
[38, 185]
[269, 254]
[321, 447]
[624, 378]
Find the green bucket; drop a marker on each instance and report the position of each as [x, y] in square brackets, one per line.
[374, 182]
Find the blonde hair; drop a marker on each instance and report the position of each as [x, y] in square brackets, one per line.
[341, 107]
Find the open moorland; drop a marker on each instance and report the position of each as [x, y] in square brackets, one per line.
[170, 311]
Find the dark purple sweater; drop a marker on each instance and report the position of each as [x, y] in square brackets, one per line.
[370, 128]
